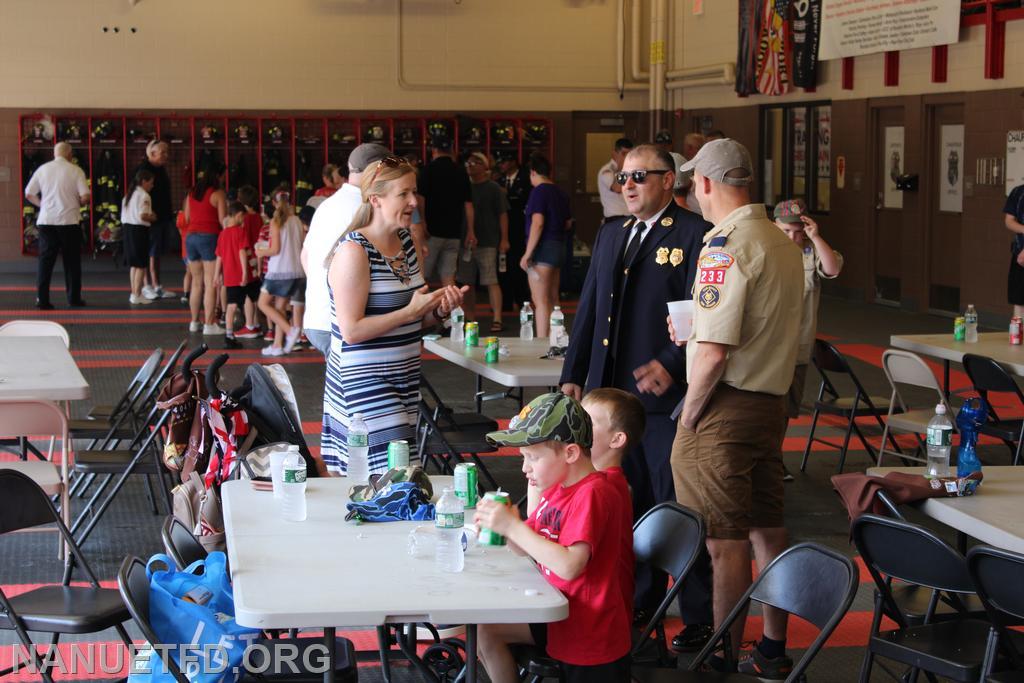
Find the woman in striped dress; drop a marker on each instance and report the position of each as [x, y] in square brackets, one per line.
[379, 306]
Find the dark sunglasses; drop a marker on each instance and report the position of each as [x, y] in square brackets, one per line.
[390, 162]
[639, 176]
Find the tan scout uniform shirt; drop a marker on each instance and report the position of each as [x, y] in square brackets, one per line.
[812, 295]
[748, 293]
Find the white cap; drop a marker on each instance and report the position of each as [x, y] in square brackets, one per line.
[940, 409]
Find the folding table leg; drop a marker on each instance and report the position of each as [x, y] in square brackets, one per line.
[384, 643]
[329, 644]
[471, 663]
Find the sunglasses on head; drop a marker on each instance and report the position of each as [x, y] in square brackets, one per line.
[639, 176]
[390, 162]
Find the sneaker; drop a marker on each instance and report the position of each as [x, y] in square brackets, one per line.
[291, 338]
[149, 293]
[213, 330]
[271, 351]
[247, 333]
[195, 326]
[303, 341]
[268, 336]
[138, 300]
[164, 294]
[692, 638]
[184, 299]
[773, 669]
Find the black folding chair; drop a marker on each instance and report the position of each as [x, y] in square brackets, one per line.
[54, 609]
[446, 448]
[808, 580]
[998, 575]
[989, 376]
[134, 587]
[100, 427]
[895, 550]
[828, 361]
[451, 420]
[179, 543]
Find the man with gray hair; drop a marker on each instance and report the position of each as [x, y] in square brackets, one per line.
[329, 223]
[59, 188]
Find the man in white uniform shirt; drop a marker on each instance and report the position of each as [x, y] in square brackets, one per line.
[329, 223]
[613, 205]
[59, 188]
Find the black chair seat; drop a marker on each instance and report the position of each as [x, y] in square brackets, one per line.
[68, 609]
[954, 649]
[533, 659]
[344, 660]
[1006, 677]
[101, 412]
[844, 406]
[461, 442]
[96, 429]
[913, 602]
[112, 462]
[1007, 430]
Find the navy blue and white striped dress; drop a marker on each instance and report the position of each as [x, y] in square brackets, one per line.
[379, 378]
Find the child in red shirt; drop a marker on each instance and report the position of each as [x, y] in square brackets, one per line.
[237, 262]
[248, 195]
[576, 536]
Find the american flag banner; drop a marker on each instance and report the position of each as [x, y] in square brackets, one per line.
[773, 49]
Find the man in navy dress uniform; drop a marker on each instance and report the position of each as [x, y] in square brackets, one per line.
[619, 339]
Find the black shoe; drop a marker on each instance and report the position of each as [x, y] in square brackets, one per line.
[692, 638]
[44, 306]
[232, 343]
[78, 304]
[767, 669]
[641, 617]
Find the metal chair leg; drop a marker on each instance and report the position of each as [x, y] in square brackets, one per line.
[810, 440]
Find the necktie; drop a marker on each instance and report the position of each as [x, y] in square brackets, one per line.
[634, 245]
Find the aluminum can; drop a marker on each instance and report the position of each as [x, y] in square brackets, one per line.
[491, 349]
[472, 334]
[466, 480]
[1015, 331]
[398, 454]
[488, 537]
[959, 329]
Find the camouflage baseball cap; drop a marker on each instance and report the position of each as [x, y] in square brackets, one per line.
[549, 417]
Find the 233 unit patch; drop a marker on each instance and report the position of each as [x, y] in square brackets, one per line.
[709, 296]
[712, 276]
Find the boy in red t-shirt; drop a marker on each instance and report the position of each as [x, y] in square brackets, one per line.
[237, 262]
[250, 198]
[576, 537]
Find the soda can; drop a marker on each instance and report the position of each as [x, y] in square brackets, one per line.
[1015, 331]
[491, 349]
[488, 537]
[466, 479]
[959, 329]
[398, 454]
[472, 334]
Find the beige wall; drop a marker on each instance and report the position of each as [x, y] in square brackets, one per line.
[318, 54]
[711, 38]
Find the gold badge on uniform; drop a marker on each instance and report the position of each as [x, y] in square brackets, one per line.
[667, 221]
[676, 257]
[662, 256]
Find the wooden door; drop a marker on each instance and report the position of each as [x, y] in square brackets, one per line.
[889, 162]
[594, 137]
[944, 182]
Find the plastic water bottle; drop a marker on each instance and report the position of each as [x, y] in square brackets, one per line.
[940, 442]
[293, 486]
[526, 322]
[557, 333]
[358, 443]
[973, 414]
[971, 325]
[449, 518]
[458, 318]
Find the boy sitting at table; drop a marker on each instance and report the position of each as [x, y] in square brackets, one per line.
[575, 535]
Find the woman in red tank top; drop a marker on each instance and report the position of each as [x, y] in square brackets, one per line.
[205, 209]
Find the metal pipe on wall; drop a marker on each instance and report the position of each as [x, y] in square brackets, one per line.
[634, 25]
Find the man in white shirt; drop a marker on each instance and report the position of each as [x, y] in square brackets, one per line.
[613, 205]
[329, 223]
[59, 188]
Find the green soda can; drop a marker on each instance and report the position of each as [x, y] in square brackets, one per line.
[466, 478]
[398, 454]
[472, 334]
[491, 350]
[959, 328]
[488, 537]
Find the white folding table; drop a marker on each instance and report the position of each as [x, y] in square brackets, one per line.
[39, 368]
[326, 572]
[523, 367]
[991, 515]
[995, 345]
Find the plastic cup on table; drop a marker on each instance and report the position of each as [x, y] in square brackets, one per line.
[681, 313]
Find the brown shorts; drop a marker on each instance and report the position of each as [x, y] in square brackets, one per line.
[796, 391]
[730, 468]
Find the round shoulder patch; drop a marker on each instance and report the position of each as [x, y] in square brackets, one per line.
[709, 296]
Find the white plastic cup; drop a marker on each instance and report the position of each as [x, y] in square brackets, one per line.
[681, 313]
[277, 459]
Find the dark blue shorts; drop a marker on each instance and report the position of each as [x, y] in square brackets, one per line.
[201, 246]
[549, 253]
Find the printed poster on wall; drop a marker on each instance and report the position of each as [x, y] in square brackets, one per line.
[951, 176]
[861, 27]
[824, 157]
[1014, 159]
[799, 150]
[892, 167]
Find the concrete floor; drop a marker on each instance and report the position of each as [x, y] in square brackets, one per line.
[110, 340]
